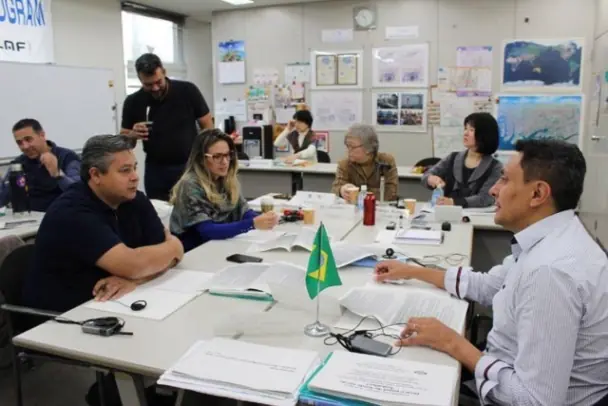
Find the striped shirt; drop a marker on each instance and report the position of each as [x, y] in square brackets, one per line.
[549, 340]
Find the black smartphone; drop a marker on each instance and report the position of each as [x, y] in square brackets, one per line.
[366, 345]
[241, 259]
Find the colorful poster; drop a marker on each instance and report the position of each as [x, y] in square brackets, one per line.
[538, 117]
[404, 66]
[548, 64]
[231, 66]
[322, 140]
[400, 111]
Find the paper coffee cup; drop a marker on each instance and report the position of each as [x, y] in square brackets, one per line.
[267, 204]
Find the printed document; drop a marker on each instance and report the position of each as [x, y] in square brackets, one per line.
[385, 381]
[304, 239]
[254, 280]
[394, 305]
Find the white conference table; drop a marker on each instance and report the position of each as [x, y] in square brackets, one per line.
[156, 345]
[259, 180]
[25, 230]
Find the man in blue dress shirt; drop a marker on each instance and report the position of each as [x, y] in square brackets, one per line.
[49, 169]
[549, 340]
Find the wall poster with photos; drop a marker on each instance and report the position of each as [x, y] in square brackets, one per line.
[399, 111]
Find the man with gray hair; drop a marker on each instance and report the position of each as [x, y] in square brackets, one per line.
[365, 165]
[102, 236]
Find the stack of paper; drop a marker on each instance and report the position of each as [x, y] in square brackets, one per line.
[392, 307]
[384, 381]
[419, 237]
[243, 371]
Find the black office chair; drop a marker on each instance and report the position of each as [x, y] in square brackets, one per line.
[323, 157]
[16, 319]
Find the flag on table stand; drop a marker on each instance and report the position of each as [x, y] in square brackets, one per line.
[321, 274]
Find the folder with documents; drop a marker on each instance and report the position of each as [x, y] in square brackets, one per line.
[385, 381]
[243, 371]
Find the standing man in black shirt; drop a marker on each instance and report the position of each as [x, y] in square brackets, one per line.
[163, 114]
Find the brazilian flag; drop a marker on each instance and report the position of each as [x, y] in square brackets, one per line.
[322, 272]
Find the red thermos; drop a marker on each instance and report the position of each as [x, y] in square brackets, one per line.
[369, 209]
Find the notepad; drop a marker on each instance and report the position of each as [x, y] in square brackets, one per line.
[422, 237]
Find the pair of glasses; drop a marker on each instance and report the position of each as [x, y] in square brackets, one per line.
[352, 147]
[218, 158]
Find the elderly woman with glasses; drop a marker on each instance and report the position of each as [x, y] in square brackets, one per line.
[365, 166]
[207, 201]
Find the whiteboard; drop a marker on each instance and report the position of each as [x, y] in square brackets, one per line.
[71, 103]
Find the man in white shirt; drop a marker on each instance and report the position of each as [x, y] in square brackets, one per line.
[549, 340]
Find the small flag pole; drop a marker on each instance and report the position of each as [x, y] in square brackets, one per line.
[317, 329]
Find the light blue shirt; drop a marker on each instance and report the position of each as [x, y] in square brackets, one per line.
[549, 340]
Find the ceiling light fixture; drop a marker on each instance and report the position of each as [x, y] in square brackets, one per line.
[238, 2]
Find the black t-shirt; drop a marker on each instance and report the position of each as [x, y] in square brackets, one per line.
[174, 117]
[76, 231]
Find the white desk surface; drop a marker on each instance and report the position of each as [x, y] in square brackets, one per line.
[322, 168]
[156, 345]
[22, 231]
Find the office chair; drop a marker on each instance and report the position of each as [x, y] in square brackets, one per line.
[323, 157]
[14, 317]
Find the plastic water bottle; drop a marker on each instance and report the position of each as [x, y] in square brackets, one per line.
[20, 200]
[361, 197]
[437, 193]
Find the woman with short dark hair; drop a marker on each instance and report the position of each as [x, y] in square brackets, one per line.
[468, 175]
[300, 137]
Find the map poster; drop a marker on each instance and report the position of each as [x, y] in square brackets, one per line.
[538, 117]
[547, 64]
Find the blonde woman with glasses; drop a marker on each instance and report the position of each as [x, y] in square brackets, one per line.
[207, 201]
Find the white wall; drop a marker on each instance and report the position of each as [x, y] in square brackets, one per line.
[88, 33]
[197, 55]
[278, 35]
